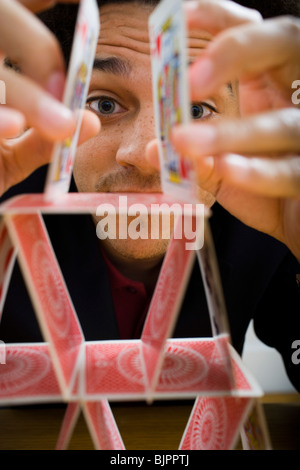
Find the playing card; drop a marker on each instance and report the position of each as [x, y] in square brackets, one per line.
[68, 425]
[28, 375]
[215, 299]
[54, 308]
[102, 425]
[170, 94]
[165, 305]
[82, 203]
[78, 78]
[7, 260]
[195, 366]
[212, 284]
[255, 434]
[215, 423]
[190, 367]
[113, 369]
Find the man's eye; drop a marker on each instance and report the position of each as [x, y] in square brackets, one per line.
[202, 111]
[104, 106]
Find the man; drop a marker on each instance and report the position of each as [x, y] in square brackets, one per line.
[258, 272]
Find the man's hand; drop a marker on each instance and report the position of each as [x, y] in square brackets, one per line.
[250, 164]
[33, 96]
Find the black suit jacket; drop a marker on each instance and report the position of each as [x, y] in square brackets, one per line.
[258, 276]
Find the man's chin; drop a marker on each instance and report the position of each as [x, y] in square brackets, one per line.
[136, 250]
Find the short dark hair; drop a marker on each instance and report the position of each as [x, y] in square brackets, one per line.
[267, 8]
[61, 18]
[151, 3]
[272, 8]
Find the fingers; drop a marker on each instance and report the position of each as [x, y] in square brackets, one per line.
[246, 52]
[277, 177]
[90, 126]
[32, 149]
[213, 149]
[25, 154]
[268, 133]
[37, 5]
[53, 120]
[35, 50]
[28, 43]
[40, 5]
[268, 177]
[214, 15]
[12, 122]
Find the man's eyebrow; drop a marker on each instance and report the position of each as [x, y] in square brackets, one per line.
[114, 65]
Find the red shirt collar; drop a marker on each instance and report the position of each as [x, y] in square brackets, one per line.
[131, 302]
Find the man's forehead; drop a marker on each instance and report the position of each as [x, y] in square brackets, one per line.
[126, 26]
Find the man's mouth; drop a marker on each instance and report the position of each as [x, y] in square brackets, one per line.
[133, 190]
[128, 181]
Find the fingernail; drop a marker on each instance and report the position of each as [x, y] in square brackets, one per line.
[201, 74]
[196, 140]
[55, 85]
[191, 5]
[55, 116]
[206, 133]
[12, 123]
[238, 163]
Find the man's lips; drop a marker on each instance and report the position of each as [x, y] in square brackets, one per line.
[129, 180]
[132, 190]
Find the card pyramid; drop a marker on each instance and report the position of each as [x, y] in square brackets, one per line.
[88, 375]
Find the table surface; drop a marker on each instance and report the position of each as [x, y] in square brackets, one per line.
[143, 427]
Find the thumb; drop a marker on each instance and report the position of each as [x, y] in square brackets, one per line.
[152, 154]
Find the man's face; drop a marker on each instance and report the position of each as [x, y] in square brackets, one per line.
[121, 95]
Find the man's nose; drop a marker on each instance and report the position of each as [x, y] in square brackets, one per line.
[133, 140]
